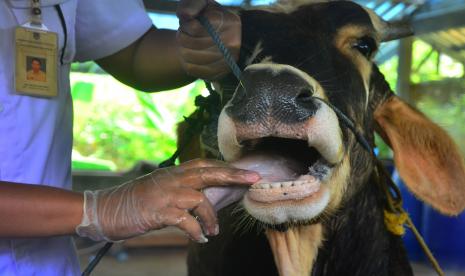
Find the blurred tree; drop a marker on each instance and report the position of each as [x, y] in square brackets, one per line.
[115, 123]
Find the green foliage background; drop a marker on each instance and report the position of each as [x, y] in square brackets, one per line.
[115, 126]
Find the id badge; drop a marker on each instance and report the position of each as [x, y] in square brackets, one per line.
[36, 67]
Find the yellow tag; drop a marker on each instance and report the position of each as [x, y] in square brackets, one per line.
[36, 62]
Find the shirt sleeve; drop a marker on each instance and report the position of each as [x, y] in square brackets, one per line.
[103, 27]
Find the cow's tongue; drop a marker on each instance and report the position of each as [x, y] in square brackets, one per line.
[271, 166]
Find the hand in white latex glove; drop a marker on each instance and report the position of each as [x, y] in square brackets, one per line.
[164, 197]
[198, 54]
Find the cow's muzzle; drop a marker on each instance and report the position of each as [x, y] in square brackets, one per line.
[274, 126]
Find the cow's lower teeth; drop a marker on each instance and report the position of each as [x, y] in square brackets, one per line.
[286, 184]
[278, 185]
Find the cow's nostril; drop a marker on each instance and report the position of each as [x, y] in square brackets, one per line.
[305, 95]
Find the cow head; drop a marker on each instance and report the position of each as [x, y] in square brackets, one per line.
[310, 162]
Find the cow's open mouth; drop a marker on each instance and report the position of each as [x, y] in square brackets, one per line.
[291, 170]
[300, 163]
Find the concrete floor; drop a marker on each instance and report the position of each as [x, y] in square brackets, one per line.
[170, 261]
[424, 269]
[141, 262]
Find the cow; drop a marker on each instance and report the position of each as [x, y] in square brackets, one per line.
[319, 208]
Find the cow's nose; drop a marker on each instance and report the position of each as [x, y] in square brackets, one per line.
[280, 92]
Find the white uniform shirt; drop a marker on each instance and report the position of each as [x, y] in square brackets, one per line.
[36, 133]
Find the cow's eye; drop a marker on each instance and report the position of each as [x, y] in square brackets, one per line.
[366, 46]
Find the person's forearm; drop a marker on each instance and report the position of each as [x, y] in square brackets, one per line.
[38, 211]
[149, 64]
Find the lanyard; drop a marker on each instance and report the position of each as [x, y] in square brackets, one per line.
[36, 21]
[36, 13]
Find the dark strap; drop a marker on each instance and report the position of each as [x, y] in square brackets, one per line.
[65, 31]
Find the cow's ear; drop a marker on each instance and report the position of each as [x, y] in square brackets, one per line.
[427, 159]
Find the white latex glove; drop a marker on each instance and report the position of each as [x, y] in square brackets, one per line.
[162, 198]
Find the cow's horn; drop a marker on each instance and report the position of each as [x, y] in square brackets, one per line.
[396, 30]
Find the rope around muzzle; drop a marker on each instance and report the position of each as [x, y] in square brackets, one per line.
[395, 217]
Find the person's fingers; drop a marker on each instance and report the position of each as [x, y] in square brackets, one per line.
[197, 163]
[219, 18]
[209, 71]
[202, 56]
[189, 9]
[199, 178]
[189, 199]
[186, 199]
[207, 216]
[195, 43]
[185, 222]
[202, 163]
[162, 176]
[199, 55]
[193, 28]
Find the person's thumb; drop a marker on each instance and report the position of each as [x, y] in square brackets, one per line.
[189, 9]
